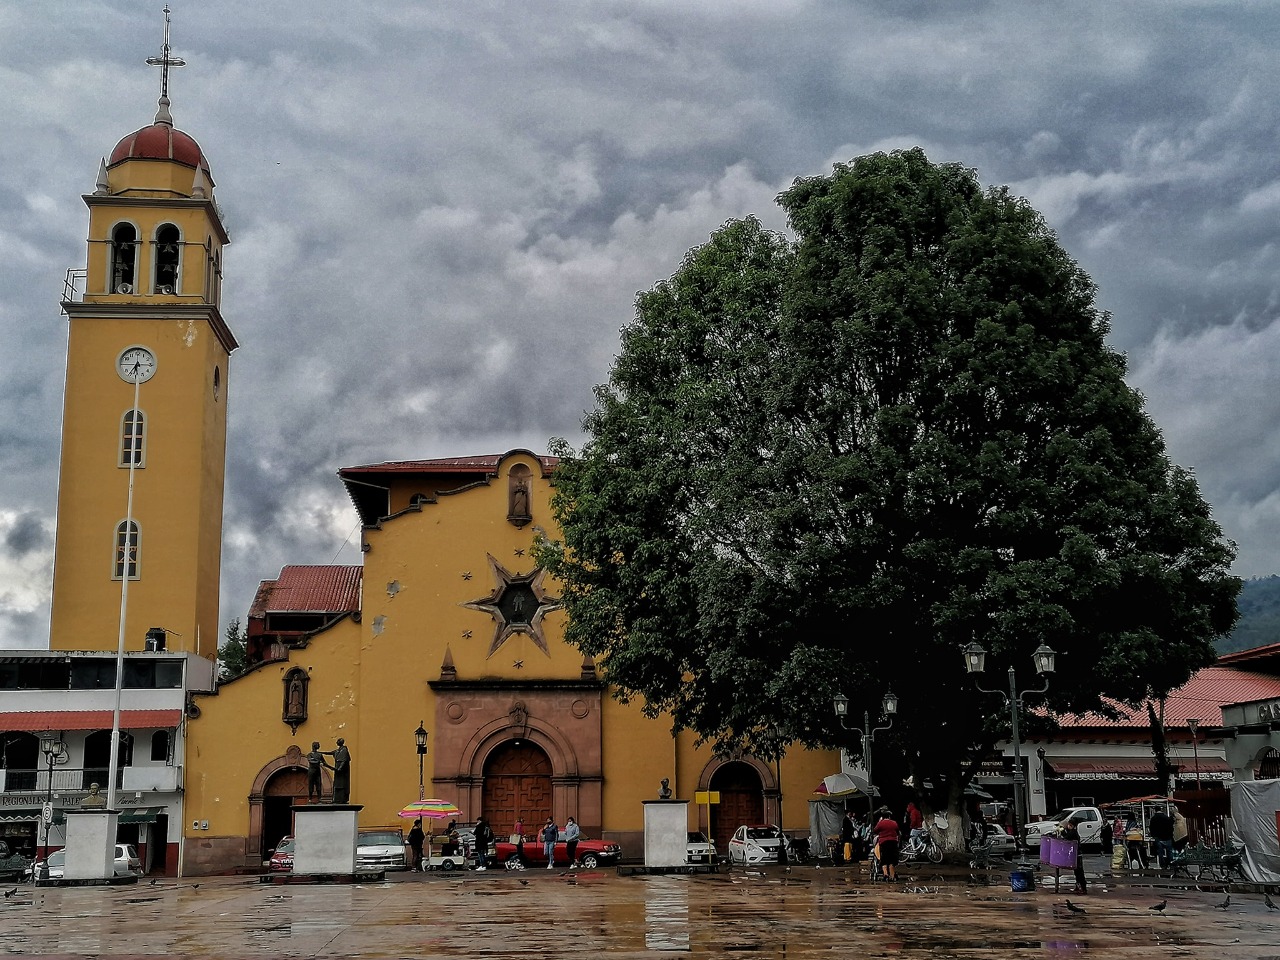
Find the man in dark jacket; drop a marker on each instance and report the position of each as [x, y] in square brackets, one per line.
[483, 837]
[1160, 828]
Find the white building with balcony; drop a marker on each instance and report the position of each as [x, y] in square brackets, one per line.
[56, 716]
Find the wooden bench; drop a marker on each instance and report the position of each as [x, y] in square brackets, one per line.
[1225, 863]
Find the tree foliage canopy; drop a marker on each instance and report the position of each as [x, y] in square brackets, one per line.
[827, 463]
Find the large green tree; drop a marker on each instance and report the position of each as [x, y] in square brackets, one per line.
[826, 463]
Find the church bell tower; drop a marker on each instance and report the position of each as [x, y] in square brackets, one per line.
[145, 407]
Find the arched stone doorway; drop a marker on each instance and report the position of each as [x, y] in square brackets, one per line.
[741, 792]
[280, 784]
[285, 788]
[517, 784]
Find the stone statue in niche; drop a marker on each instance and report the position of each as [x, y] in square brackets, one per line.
[295, 698]
[518, 489]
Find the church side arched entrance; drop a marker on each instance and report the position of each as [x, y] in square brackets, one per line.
[285, 788]
[517, 784]
[741, 801]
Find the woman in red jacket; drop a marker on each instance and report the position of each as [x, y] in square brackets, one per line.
[885, 833]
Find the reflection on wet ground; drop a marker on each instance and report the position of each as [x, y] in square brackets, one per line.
[810, 912]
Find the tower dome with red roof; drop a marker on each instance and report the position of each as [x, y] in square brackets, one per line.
[160, 141]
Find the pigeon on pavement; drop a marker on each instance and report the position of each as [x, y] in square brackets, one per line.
[1224, 904]
[1159, 907]
[1074, 909]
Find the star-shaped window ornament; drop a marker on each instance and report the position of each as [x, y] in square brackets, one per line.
[517, 604]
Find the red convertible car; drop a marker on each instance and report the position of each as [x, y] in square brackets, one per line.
[591, 854]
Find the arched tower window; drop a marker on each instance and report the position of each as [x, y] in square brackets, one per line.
[124, 254]
[126, 550]
[133, 435]
[160, 746]
[168, 245]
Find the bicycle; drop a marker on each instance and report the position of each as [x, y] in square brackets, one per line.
[920, 847]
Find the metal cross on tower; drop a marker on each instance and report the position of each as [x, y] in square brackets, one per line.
[164, 61]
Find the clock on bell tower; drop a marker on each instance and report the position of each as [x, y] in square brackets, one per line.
[145, 403]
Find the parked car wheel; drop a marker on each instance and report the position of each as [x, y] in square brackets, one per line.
[589, 862]
[448, 865]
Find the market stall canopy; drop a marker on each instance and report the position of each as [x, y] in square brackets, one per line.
[436, 809]
[844, 785]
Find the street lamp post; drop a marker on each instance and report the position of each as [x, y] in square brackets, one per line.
[420, 738]
[975, 662]
[889, 706]
[1195, 747]
[54, 750]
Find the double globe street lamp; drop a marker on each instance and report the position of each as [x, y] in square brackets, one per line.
[975, 662]
[889, 708]
[55, 751]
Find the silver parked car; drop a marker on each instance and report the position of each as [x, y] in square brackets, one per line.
[380, 850]
[127, 863]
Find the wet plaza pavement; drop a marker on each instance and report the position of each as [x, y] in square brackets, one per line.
[808, 912]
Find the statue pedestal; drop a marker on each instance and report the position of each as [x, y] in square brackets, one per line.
[91, 846]
[666, 833]
[325, 839]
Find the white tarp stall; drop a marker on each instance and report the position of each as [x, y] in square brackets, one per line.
[1255, 825]
[824, 821]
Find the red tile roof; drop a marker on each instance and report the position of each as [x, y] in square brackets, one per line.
[301, 588]
[1202, 697]
[88, 720]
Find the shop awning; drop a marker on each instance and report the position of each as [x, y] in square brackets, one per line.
[127, 814]
[140, 814]
[35, 720]
[1105, 768]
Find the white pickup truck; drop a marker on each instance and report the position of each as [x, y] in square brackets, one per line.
[1090, 826]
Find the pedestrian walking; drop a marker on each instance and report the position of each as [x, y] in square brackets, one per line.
[571, 835]
[885, 834]
[416, 836]
[520, 841]
[1107, 836]
[483, 838]
[1161, 829]
[848, 836]
[550, 833]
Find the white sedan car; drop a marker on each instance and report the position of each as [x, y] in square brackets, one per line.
[761, 843]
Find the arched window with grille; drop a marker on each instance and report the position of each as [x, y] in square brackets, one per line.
[168, 247]
[133, 438]
[124, 258]
[127, 539]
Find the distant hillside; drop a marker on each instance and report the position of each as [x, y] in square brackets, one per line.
[1259, 622]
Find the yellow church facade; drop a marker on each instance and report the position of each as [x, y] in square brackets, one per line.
[448, 624]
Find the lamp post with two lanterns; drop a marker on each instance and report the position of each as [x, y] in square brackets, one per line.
[975, 662]
[420, 738]
[889, 706]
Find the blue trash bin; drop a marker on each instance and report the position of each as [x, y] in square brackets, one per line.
[1022, 881]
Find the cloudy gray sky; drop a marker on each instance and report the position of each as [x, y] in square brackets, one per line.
[441, 211]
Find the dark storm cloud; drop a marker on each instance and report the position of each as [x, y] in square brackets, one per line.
[441, 214]
[26, 534]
